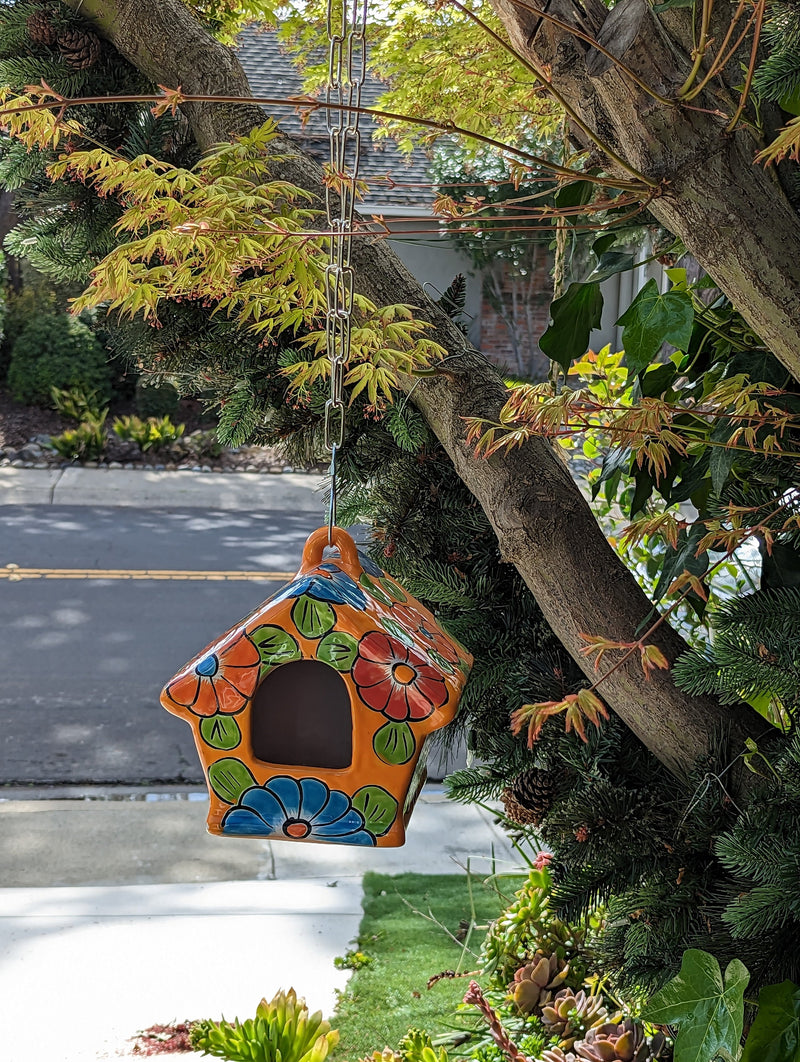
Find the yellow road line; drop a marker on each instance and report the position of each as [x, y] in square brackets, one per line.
[14, 573]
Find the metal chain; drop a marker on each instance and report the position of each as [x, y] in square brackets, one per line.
[347, 67]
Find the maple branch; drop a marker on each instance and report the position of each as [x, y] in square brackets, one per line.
[312, 104]
[540, 74]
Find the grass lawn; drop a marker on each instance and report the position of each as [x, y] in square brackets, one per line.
[387, 997]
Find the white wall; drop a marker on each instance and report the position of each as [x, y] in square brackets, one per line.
[435, 260]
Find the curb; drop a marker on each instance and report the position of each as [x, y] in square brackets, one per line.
[149, 489]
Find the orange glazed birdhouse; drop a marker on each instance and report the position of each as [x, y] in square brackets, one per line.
[311, 714]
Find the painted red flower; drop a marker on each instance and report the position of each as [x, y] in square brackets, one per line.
[417, 625]
[440, 642]
[393, 679]
[222, 681]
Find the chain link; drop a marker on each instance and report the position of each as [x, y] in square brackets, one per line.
[347, 67]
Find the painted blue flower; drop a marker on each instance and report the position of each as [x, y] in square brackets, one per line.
[369, 566]
[333, 585]
[305, 810]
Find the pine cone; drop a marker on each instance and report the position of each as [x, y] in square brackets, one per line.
[516, 812]
[40, 29]
[535, 982]
[530, 796]
[79, 48]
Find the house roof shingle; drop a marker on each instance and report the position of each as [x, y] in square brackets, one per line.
[271, 72]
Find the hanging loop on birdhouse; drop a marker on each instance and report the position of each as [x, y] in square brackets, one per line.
[348, 551]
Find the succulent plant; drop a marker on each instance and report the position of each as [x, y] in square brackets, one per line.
[283, 1030]
[623, 1042]
[555, 1054]
[386, 1055]
[535, 983]
[570, 1014]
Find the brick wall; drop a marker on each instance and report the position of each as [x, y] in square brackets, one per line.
[509, 336]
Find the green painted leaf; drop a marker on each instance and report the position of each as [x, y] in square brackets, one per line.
[378, 807]
[709, 1013]
[394, 743]
[220, 731]
[275, 645]
[312, 618]
[572, 318]
[441, 663]
[775, 1034]
[375, 590]
[338, 649]
[230, 778]
[653, 319]
[393, 590]
[397, 630]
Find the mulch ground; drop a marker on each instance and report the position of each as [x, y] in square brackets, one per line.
[164, 1040]
[23, 427]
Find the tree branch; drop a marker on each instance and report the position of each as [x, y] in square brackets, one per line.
[543, 524]
[732, 215]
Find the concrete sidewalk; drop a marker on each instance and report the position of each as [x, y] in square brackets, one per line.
[148, 489]
[117, 915]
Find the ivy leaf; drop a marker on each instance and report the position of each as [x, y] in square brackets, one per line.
[603, 243]
[653, 319]
[721, 459]
[574, 194]
[708, 1011]
[572, 319]
[609, 263]
[682, 559]
[775, 1034]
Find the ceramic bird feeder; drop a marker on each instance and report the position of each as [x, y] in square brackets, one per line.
[311, 714]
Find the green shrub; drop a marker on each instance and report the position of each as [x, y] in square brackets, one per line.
[76, 403]
[152, 434]
[87, 442]
[156, 400]
[21, 308]
[55, 350]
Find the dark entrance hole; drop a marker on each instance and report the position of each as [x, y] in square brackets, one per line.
[301, 716]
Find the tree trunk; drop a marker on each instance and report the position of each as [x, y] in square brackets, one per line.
[543, 524]
[732, 215]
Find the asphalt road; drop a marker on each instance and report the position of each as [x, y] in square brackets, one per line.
[83, 660]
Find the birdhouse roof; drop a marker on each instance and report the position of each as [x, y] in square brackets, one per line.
[346, 612]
